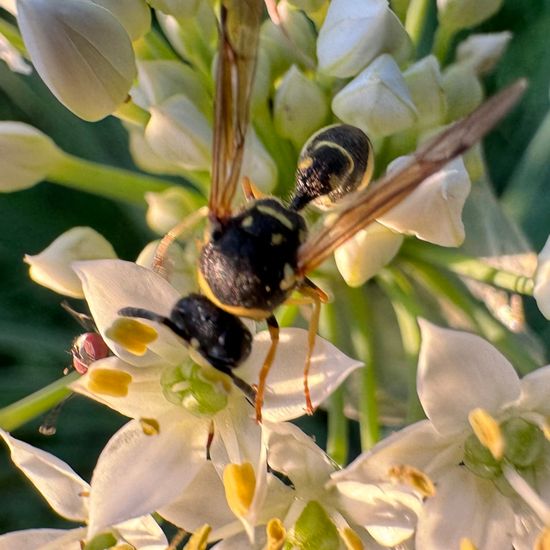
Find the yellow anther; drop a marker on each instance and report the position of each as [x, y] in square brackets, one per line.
[150, 426]
[546, 429]
[543, 540]
[239, 481]
[109, 382]
[351, 539]
[132, 335]
[467, 544]
[418, 480]
[123, 546]
[488, 431]
[276, 534]
[199, 539]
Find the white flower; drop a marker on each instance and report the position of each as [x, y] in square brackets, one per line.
[377, 100]
[81, 51]
[353, 34]
[52, 267]
[26, 156]
[179, 133]
[541, 291]
[69, 496]
[462, 89]
[485, 429]
[482, 51]
[432, 212]
[133, 15]
[463, 14]
[300, 106]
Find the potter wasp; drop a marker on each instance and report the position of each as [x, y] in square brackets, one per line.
[255, 258]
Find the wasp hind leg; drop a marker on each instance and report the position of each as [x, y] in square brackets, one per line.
[273, 328]
[188, 223]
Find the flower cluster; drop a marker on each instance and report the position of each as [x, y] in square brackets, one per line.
[469, 467]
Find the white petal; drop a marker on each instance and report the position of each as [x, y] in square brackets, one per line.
[417, 445]
[534, 391]
[145, 158]
[258, 164]
[58, 483]
[26, 156]
[137, 473]
[177, 8]
[465, 506]
[458, 372]
[365, 254]
[482, 51]
[133, 15]
[203, 501]
[43, 539]
[389, 514]
[179, 133]
[143, 534]
[81, 51]
[541, 292]
[110, 285]
[284, 397]
[12, 57]
[433, 211]
[52, 268]
[377, 100]
[144, 398]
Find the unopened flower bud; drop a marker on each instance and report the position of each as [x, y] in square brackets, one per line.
[179, 133]
[463, 14]
[167, 208]
[426, 87]
[300, 107]
[541, 291]
[296, 45]
[377, 100]
[463, 90]
[26, 156]
[52, 267]
[133, 15]
[481, 52]
[258, 165]
[354, 33]
[177, 8]
[81, 51]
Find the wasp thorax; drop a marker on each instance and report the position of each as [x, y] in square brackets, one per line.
[250, 267]
[334, 161]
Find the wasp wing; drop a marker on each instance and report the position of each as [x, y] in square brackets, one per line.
[362, 208]
[238, 43]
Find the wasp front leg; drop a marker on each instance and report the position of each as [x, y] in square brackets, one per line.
[273, 328]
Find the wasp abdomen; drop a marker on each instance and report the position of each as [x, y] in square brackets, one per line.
[249, 265]
[336, 160]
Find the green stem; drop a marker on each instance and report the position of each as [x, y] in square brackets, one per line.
[337, 433]
[415, 22]
[470, 267]
[452, 290]
[153, 46]
[130, 112]
[362, 339]
[20, 412]
[407, 310]
[442, 42]
[107, 181]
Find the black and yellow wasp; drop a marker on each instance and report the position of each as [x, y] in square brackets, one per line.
[255, 258]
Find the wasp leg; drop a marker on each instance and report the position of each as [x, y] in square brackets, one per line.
[316, 296]
[273, 328]
[250, 191]
[185, 225]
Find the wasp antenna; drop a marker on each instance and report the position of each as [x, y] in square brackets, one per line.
[142, 314]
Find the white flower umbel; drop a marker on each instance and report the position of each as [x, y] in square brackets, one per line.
[27, 156]
[377, 100]
[485, 431]
[354, 33]
[432, 212]
[52, 267]
[541, 292]
[69, 496]
[481, 52]
[81, 51]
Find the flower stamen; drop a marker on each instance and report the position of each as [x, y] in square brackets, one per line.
[276, 534]
[199, 539]
[488, 431]
[132, 335]
[109, 382]
[351, 539]
[418, 480]
[239, 481]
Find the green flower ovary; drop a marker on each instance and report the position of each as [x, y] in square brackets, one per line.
[192, 387]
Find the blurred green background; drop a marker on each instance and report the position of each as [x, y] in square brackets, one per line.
[35, 332]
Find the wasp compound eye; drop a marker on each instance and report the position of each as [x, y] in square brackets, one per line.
[335, 161]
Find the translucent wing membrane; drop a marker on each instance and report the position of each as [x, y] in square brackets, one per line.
[239, 31]
[362, 208]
